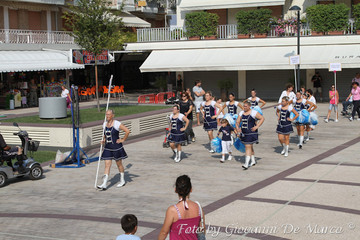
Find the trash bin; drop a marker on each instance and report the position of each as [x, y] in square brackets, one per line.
[52, 107]
[12, 104]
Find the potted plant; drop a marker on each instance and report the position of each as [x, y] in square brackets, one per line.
[244, 24]
[356, 14]
[256, 22]
[225, 85]
[201, 24]
[332, 19]
[211, 24]
[160, 83]
[262, 22]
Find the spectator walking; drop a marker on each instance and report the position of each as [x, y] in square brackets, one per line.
[334, 101]
[355, 94]
[198, 98]
[356, 78]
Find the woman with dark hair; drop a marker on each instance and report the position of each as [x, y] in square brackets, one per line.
[284, 127]
[355, 94]
[309, 127]
[299, 104]
[334, 101]
[177, 132]
[186, 108]
[255, 100]
[207, 109]
[250, 120]
[185, 219]
[288, 93]
[232, 105]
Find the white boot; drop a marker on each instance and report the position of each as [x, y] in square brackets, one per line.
[307, 137]
[103, 185]
[122, 180]
[178, 159]
[253, 162]
[176, 155]
[246, 165]
[301, 141]
[286, 150]
[283, 151]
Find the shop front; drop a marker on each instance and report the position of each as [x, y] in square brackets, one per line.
[28, 75]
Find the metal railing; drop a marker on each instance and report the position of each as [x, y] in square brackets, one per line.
[224, 32]
[15, 36]
[227, 31]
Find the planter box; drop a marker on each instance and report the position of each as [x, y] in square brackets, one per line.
[336, 33]
[317, 33]
[243, 36]
[260, 35]
[194, 38]
[210, 37]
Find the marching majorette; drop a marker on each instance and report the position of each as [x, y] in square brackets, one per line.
[299, 104]
[255, 100]
[250, 120]
[207, 109]
[232, 105]
[113, 149]
[284, 127]
[177, 133]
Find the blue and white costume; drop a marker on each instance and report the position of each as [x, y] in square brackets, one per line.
[284, 126]
[247, 123]
[209, 110]
[112, 150]
[298, 106]
[254, 103]
[177, 136]
[232, 108]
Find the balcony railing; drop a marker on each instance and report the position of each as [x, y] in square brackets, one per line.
[15, 36]
[223, 32]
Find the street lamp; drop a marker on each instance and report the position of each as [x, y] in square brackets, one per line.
[297, 8]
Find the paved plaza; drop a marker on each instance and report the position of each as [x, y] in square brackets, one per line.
[311, 194]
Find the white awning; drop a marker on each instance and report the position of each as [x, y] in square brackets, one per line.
[189, 5]
[21, 61]
[254, 58]
[131, 20]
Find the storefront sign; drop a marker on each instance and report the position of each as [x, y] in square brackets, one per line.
[85, 57]
[294, 60]
[335, 67]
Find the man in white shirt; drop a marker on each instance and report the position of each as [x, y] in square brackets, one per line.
[199, 98]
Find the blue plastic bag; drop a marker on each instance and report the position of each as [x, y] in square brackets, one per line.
[313, 119]
[216, 145]
[239, 145]
[292, 115]
[304, 116]
[258, 109]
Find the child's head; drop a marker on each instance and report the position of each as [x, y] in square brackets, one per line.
[218, 100]
[129, 223]
[224, 122]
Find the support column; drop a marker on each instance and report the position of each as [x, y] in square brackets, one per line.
[241, 84]
[48, 24]
[6, 23]
[309, 74]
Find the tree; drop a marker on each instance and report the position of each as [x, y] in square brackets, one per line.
[95, 27]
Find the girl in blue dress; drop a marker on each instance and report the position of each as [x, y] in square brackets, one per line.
[250, 120]
[299, 104]
[255, 100]
[113, 149]
[232, 105]
[177, 132]
[207, 109]
[284, 127]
